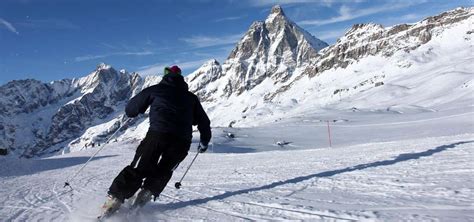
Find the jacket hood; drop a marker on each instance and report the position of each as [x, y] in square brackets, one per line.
[174, 80]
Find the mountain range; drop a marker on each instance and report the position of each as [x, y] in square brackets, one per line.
[277, 70]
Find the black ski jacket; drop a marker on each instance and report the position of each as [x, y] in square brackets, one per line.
[173, 109]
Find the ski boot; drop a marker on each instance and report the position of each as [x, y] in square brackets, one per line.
[143, 197]
[111, 205]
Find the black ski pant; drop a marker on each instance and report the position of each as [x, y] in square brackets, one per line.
[152, 167]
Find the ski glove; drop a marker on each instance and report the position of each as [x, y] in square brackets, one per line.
[202, 148]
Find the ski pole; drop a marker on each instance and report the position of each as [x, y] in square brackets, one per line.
[178, 184]
[70, 178]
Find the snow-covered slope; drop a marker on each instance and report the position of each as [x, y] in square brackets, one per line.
[416, 167]
[406, 68]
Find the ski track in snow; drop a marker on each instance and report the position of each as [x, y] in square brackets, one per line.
[393, 184]
[406, 122]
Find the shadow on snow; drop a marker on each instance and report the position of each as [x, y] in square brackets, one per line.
[231, 149]
[399, 158]
[21, 167]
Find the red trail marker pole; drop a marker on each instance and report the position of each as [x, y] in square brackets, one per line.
[329, 135]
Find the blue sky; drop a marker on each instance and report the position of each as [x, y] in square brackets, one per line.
[56, 39]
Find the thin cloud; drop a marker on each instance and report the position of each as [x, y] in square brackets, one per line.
[411, 17]
[347, 13]
[262, 3]
[146, 45]
[92, 57]
[109, 46]
[208, 41]
[408, 18]
[230, 18]
[330, 35]
[8, 26]
[52, 23]
[156, 69]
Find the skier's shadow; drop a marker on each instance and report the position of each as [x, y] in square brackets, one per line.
[400, 158]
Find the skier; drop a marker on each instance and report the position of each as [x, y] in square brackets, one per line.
[173, 111]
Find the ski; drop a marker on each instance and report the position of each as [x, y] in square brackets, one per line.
[110, 207]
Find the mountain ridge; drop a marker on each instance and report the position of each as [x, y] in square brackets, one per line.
[273, 72]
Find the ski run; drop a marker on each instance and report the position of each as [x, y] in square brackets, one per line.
[418, 168]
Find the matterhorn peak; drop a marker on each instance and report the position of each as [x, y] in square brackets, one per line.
[277, 10]
[270, 50]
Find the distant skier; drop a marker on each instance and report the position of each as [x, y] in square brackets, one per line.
[173, 111]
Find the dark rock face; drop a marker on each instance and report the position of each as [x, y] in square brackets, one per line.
[15, 99]
[20, 99]
[80, 104]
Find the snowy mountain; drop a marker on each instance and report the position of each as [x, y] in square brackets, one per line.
[37, 116]
[403, 68]
[270, 50]
[276, 71]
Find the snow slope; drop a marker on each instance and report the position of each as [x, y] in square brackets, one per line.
[382, 167]
[415, 77]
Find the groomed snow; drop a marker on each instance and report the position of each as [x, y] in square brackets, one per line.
[381, 167]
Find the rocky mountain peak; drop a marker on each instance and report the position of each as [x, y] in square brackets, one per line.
[277, 17]
[103, 74]
[362, 31]
[277, 10]
[270, 49]
[212, 62]
[365, 27]
[102, 66]
[210, 71]
[364, 40]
